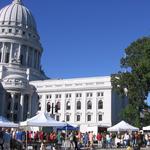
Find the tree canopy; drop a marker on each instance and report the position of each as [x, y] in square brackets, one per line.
[134, 81]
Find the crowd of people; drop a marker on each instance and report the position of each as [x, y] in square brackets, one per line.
[75, 139]
[112, 140]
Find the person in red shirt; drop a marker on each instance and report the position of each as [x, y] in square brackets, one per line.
[41, 136]
[36, 136]
[99, 139]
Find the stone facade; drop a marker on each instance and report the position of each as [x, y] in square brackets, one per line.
[20, 56]
[25, 90]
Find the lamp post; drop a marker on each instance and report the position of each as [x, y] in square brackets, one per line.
[54, 107]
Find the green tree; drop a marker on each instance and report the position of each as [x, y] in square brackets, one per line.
[134, 82]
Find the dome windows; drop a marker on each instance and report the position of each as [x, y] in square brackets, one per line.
[10, 30]
[3, 30]
[23, 33]
[17, 31]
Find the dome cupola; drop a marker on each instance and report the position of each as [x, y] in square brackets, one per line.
[16, 14]
[20, 45]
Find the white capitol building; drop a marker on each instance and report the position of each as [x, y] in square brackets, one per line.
[25, 90]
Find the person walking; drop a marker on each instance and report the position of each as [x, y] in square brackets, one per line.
[99, 139]
[85, 139]
[7, 139]
[91, 138]
[75, 140]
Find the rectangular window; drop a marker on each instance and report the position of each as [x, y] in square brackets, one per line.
[58, 96]
[3, 30]
[48, 96]
[68, 95]
[67, 117]
[78, 95]
[89, 94]
[78, 117]
[99, 117]
[100, 94]
[57, 118]
[89, 118]
[10, 30]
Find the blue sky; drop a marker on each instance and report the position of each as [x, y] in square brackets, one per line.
[83, 38]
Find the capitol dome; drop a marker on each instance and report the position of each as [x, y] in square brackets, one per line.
[20, 46]
[16, 14]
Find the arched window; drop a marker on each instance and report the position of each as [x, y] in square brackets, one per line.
[89, 105]
[48, 107]
[100, 104]
[78, 105]
[68, 106]
[58, 105]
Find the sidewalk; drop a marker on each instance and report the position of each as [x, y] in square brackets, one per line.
[103, 149]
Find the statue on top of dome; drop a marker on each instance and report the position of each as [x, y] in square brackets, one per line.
[17, 1]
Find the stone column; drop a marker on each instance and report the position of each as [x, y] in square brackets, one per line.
[19, 53]
[36, 59]
[21, 107]
[3, 103]
[33, 57]
[11, 51]
[12, 105]
[3, 51]
[27, 56]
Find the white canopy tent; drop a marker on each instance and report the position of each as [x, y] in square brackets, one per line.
[42, 120]
[6, 123]
[122, 126]
[147, 128]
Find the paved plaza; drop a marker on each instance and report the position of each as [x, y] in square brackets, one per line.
[102, 149]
